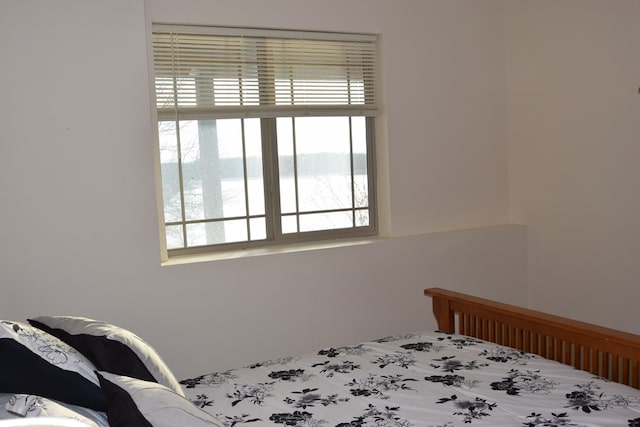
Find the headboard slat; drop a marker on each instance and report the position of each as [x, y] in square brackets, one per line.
[603, 351]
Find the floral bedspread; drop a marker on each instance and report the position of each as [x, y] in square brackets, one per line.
[421, 379]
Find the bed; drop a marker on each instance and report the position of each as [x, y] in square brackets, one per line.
[489, 364]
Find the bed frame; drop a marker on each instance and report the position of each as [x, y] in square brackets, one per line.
[605, 352]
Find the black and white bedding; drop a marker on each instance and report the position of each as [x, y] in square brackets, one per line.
[99, 375]
[80, 371]
[421, 379]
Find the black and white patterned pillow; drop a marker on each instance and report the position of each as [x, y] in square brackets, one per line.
[34, 362]
[138, 403]
[110, 348]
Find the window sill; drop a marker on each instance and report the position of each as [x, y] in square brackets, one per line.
[269, 250]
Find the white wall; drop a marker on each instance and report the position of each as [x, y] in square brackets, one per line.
[78, 221]
[574, 132]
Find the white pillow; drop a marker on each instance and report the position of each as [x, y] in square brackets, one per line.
[137, 403]
[110, 348]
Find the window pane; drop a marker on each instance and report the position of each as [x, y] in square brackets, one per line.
[302, 90]
[360, 171]
[231, 166]
[236, 231]
[213, 164]
[359, 134]
[164, 92]
[324, 163]
[210, 233]
[253, 150]
[284, 130]
[320, 178]
[289, 224]
[233, 91]
[258, 228]
[205, 233]
[174, 237]
[362, 217]
[171, 196]
[360, 191]
[326, 221]
[199, 151]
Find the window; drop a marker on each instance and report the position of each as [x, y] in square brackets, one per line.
[264, 136]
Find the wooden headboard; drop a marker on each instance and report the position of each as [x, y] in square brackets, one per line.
[606, 352]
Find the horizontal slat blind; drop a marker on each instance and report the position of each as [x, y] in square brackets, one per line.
[204, 74]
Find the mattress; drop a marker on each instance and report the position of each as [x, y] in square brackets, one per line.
[420, 379]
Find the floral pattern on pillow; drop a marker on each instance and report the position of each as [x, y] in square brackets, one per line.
[49, 348]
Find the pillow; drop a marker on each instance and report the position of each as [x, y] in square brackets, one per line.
[110, 348]
[34, 362]
[138, 403]
[31, 406]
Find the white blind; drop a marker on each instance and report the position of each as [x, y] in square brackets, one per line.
[201, 72]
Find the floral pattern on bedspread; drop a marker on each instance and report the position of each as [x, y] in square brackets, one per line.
[421, 379]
